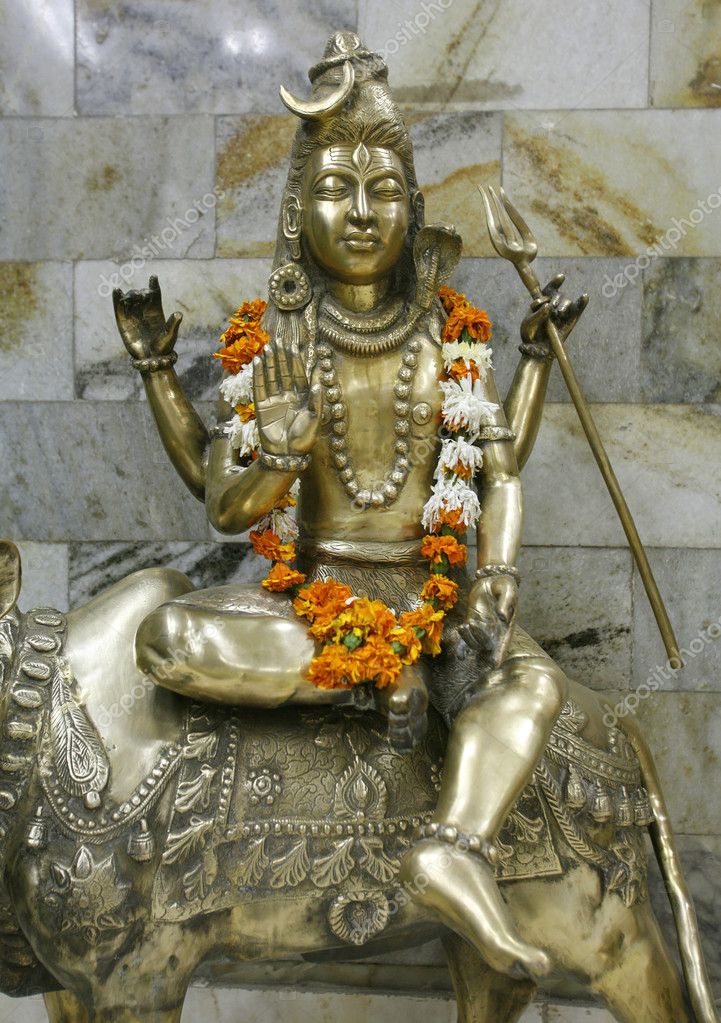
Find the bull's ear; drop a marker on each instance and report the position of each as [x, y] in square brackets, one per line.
[10, 576]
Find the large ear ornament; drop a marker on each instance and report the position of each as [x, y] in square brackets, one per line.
[292, 224]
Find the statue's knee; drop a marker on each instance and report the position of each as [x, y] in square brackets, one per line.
[543, 683]
[157, 640]
[153, 586]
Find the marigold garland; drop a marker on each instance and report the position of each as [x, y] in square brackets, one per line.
[364, 640]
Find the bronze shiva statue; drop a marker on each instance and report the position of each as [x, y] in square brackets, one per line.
[367, 750]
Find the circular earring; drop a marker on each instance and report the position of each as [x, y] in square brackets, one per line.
[289, 287]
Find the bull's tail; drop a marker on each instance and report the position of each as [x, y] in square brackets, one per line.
[664, 844]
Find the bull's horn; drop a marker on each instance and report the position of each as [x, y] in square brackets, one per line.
[317, 110]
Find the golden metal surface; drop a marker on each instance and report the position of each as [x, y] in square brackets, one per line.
[148, 829]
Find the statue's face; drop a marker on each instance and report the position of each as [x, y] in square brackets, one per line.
[355, 211]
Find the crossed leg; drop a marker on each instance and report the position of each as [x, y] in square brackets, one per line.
[231, 644]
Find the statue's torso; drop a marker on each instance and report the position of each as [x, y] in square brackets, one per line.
[326, 510]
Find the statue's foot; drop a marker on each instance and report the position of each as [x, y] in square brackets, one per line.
[460, 888]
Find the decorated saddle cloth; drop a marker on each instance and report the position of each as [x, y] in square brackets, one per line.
[310, 804]
[318, 804]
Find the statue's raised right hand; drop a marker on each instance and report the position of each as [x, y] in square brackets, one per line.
[142, 324]
[287, 408]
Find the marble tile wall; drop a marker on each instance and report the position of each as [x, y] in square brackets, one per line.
[146, 136]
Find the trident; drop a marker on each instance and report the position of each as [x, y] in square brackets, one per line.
[512, 239]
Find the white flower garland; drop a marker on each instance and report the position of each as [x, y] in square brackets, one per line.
[464, 411]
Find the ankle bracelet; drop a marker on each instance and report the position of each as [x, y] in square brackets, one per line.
[463, 842]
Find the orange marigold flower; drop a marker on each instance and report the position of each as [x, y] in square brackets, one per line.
[364, 616]
[334, 668]
[246, 412]
[268, 545]
[459, 370]
[286, 502]
[376, 662]
[241, 343]
[282, 577]
[467, 317]
[441, 589]
[435, 548]
[321, 602]
[408, 639]
[430, 621]
[452, 519]
[450, 298]
[253, 309]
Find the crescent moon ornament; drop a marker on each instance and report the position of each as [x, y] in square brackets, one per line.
[317, 110]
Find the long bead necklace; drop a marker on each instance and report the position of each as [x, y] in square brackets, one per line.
[392, 485]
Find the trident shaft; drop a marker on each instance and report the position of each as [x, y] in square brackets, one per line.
[513, 240]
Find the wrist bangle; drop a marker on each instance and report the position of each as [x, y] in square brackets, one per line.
[155, 362]
[285, 463]
[488, 571]
[541, 353]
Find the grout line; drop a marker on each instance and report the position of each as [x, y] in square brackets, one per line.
[75, 57]
[649, 64]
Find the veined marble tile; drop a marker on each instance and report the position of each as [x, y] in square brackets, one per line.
[90, 471]
[252, 159]
[23, 1010]
[99, 188]
[576, 602]
[511, 55]
[689, 581]
[36, 332]
[680, 350]
[617, 182]
[45, 576]
[454, 153]
[576, 1014]
[686, 53]
[700, 857]
[201, 56]
[684, 733]
[37, 54]
[661, 456]
[95, 566]
[604, 346]
[206, 291]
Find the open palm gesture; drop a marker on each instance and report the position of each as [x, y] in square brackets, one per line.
[287, 408]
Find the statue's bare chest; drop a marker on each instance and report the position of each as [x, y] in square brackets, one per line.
[379, 399]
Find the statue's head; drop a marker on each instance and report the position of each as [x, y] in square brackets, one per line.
[351, 206]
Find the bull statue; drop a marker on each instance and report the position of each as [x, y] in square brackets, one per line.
[175, 833]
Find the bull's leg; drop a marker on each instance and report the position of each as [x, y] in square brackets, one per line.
[64, 1007]
[482, 994]
[617, 952]
[641, 984]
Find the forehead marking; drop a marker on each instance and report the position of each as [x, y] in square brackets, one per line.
[361, 157]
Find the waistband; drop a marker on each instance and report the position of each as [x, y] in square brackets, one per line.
[397, 552]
